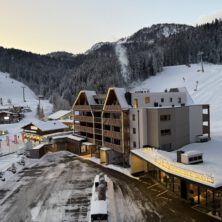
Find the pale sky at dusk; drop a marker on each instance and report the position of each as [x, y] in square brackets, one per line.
[44, 26]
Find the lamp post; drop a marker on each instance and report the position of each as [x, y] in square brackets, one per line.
[23, 93]
[200, 54]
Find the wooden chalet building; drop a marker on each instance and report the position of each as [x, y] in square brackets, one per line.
[103, 120]
[40, 130]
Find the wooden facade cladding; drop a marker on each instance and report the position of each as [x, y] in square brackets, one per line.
[112, 134]
[113, 146]
[112, 108]
[81, 108]
[90, 140]
[88, 119]
[112, 122]
[83, 129]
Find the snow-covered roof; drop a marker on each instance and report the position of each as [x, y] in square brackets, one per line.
[88, 144]
[48, 125]
[39, 146]
[208, 173]
[59, 114]
[192, 153]
[120, 94]
[90, 97]
[105, 148]
[76, 138]
[98, 207]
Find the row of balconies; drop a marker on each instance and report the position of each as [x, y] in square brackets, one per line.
[112, 108]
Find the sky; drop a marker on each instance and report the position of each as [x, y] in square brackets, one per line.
[44, 26]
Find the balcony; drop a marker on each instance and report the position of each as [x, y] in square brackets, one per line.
[112, 134]
[206, 129]
[81, 108]
[97, 119]
[88, 119]
[113, 108]
[97, 107]
[84, 129]
[98, 131]
[114, 146]
[205, 118]
[112, 122]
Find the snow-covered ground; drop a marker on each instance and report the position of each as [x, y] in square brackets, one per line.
[209, 85]
[11, 89]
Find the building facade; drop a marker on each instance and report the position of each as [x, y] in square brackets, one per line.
[121, 121]
[168, 128]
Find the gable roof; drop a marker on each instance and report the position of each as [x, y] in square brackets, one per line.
[120, 94]
[48, 125]
[59, 114]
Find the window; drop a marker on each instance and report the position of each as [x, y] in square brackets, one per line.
[134, 130]
[165, 132]
[146, 99]
[133, 117]
[135, 104]
[165, 117]
[171, 100]
[162, 100]
[179, 100]
[134, 144]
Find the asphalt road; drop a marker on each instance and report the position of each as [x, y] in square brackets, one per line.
[61, 191]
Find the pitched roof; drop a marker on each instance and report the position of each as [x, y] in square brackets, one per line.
[120, 94]
[48, 125]
[59, 114]
[90, 97]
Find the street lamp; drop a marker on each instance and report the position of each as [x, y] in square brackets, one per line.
[200, 54]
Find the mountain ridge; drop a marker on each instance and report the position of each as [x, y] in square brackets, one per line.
[61, 75]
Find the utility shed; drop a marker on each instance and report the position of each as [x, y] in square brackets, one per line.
[38, 151]
[70, 143]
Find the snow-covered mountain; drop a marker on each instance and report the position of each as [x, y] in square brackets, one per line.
[208, 84]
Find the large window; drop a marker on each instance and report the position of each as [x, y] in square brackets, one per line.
[135, 104]
[165, 117]
[165, 132]
[146, 99]
[133, 117]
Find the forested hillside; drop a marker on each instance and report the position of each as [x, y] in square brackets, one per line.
[60, 75]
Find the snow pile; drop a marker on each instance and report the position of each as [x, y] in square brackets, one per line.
[208, 86]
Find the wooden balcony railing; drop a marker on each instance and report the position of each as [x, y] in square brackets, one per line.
[90, 140]
[88, 119]
[81, 107]
[83, 129]
[113, 108]
[114, 146]
[112, 122]
[112, 134]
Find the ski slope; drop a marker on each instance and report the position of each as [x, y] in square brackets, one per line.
[11, 89]
[209, 88]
